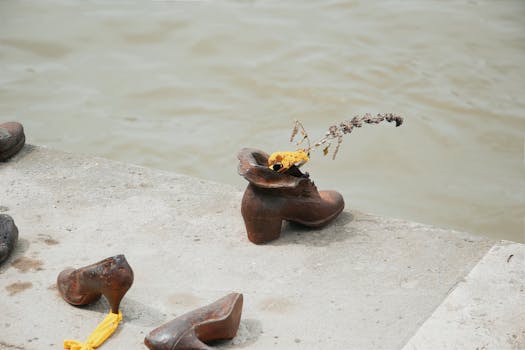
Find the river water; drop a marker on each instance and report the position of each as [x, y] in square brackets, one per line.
[183, 86]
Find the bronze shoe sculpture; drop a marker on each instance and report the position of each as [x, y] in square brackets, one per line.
[8, 236]
[111, 277]
[191, 331]
[272, 197]
[12, 139]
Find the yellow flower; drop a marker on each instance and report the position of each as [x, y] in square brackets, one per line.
[282, 161]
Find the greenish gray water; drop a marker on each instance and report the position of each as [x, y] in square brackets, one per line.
[183, 86]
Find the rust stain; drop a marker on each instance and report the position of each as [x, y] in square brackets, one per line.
[277, 305]
[18, 287]
[51, 241]
[185, 299]
[48, 240]
[24, 264]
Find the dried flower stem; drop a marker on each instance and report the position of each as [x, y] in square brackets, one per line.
[298, 126]
[336, 132]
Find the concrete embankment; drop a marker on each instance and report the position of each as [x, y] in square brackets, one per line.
[363, 282]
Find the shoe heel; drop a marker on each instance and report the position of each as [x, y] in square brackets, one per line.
[116, 282]
[261, 216]
[226, 319]
[262, 230]
[216, 321]
[115, 296]
[111, 277]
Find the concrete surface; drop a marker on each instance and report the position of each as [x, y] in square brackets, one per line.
[485, 311]
[363, 282]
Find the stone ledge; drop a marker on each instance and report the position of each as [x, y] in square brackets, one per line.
[363, 282]
[486, 310]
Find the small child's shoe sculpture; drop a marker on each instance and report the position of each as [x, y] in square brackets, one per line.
[12, 139]
[8, 236]
[216, 321]
[272, 197]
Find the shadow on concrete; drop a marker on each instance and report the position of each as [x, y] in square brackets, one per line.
[26, 150]
[137, 313]
[336, 231]
[133, 312]
[22, 245]
[247, 334]
[101, 306]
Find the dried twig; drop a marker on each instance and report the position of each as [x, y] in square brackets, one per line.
[298, 127]
[336, 132]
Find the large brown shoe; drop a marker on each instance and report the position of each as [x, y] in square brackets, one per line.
[272, 197]
[12, 139]
[8, 236]
[216, 321]
[111, 277]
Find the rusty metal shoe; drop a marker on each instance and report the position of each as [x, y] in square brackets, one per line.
[8, 236]
[111, 277]
[272, 197]
[217, 321]
[12, 139]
